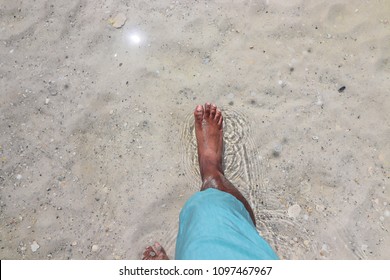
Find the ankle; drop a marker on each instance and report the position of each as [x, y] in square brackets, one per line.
[212, 180]
[210, 171]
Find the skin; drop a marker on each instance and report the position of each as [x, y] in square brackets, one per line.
[209, 137]
[155, 252]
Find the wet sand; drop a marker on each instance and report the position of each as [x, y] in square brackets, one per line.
[97, 151]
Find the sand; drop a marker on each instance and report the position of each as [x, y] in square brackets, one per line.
[97, 152]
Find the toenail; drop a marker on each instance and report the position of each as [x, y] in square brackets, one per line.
[152, 254]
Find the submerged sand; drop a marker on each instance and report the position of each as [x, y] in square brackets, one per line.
[96, 138]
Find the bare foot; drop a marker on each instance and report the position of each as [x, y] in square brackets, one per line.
[209, 136]
[155, 252]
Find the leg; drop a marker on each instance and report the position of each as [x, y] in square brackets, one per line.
[209, 136]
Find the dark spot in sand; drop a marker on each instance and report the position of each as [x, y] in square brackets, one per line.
[120, 64]
[231, 103]
[253, 102]
[292, 69]
[342, 89]
[187, 93]
[275, 153]
[66, 86]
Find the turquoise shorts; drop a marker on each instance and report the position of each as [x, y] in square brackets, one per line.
[214, 225]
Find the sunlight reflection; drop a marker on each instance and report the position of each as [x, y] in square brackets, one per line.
[135, 38]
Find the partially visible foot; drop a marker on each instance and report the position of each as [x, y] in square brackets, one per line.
[209, 137]
[155, 252]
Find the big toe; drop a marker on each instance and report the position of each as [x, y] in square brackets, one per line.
[199, 112]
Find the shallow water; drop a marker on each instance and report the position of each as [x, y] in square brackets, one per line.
[96, 133]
